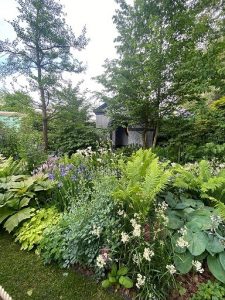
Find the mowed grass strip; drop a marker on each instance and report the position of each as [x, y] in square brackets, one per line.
[23, 276]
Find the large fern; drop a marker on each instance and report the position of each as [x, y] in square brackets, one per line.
[143, 178]
[204, 183]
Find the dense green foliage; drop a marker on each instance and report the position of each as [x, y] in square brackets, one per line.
[113, 213]
[209, 291]
[17, 192]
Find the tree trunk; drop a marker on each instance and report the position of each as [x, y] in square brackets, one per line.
[44, 111]
[44, 119]
[155, 136]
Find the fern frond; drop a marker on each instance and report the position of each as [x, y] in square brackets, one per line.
[220, 207]
[205, 171]
[155, 180]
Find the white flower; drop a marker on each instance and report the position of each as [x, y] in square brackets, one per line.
[100, 261]
[121, 212]
[171, 269]
[148, 254]
[137, 230]
[96, 231]
[183, 230]
[137, 259]
[182, 243]
[198, 266]
[216, 221]
[140, 281]
[99, 159]
[133, 222]
[124, 237]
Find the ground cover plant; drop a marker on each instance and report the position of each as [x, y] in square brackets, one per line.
[135, 223]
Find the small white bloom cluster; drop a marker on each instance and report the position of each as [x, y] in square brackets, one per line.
[148, 254]
[137, 228]
[121, 212]
[124, 237]
[215, 222]
[183, 230]
[181, 242]
[137, 259]
[101, 261]
[160, 211]
[85, 152]
[198, 266]
[140, 281]
[172, 270]
[96, 231]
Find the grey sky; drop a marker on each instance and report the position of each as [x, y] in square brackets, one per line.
[96, 15]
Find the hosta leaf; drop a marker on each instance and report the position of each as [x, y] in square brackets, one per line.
[106, 283]
[174, 221]
[112, 279]
[122, 271]
[14, 220]
[183, 262]
[214, 245]
[222, 259]
[113, 270]
[5, 212]
[216, 268]
[197, 242]
[24, 202]
[126, 282]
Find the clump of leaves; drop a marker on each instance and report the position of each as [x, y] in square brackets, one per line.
[210, 290]
[197, 234]
[17, 192]
[30, 234]
[118, 277]
[144, 177]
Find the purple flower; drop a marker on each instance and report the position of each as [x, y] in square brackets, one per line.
[51, 176]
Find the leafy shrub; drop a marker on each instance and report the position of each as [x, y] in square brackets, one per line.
[31, 232]
[143, 178]
[210, 291]
[197, 234]
[17, 192]
[118, 277]
[83, 232]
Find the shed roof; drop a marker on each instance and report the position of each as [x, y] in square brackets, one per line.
[101, 109]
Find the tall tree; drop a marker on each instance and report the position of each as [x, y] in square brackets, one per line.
[42, 50]
[155, 38]
[71, 128]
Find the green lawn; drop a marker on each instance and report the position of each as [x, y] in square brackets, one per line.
[23, 276]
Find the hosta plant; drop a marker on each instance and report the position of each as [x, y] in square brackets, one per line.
[118, 277]
[198, 235]
[31, 232]
[16, 194]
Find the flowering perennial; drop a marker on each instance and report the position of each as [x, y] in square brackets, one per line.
[198, 266]
[124, 237]
[140, 281]
[171, 269]
[148, 254]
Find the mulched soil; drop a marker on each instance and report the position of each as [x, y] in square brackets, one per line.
[189, 283]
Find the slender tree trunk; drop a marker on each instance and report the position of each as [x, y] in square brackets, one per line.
[44, 111]
[156, 133]
[44, 119]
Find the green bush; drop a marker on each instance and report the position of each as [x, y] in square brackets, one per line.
[31, 232]
[19, 194]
